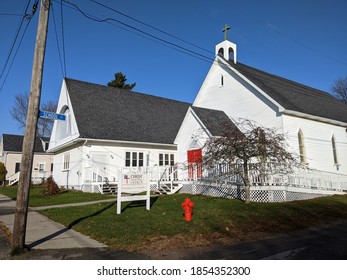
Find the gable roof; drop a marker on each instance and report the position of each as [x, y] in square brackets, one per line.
[295, 96]
[14, 143]
[214, 120]
[109, 113]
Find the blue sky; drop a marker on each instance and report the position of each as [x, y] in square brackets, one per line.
[304, 41]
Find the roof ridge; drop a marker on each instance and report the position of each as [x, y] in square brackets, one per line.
[283, 78]
[126, 91]
[293, 95]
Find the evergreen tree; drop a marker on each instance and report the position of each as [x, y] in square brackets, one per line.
[119, 82]
[3, 173]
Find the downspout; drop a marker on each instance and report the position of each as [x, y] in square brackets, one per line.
[82, 173]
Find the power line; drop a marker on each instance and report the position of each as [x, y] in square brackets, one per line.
[306, 46]
[176, 46]
[62, 34]
[14, 56]
[151, 26]
[15, 39]
[57, 41]
[28, 17]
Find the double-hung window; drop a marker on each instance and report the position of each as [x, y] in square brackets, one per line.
[134, 159]
[166, 159]
[41, 167]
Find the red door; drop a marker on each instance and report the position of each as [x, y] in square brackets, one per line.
[194, 164]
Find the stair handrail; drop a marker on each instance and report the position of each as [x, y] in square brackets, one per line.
[13, 178]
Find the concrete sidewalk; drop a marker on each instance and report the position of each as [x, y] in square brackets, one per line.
[43, 233]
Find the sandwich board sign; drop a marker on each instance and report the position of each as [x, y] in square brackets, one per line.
[130, 184]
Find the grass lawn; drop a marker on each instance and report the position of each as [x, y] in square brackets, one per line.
[66, 196]
[163, 227]
[214, 220]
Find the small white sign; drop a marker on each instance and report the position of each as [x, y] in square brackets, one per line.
[134, 179]
[133, 183]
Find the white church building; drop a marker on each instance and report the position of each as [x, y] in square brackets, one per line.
[108, 130]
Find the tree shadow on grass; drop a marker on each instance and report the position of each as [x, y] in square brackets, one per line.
[72, 224]
[59, 232]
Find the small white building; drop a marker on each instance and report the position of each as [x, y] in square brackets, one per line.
[109, 129]
[11, 156]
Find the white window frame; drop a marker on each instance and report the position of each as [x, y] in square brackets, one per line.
[66, 161]
[166, 159]
[134, 159]
[43, 165]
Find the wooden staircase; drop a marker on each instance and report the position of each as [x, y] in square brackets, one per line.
[109, 189]
[165, 188]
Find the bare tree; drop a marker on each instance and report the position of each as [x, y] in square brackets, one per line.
[19, 112]
[339, 89]
[246, 145]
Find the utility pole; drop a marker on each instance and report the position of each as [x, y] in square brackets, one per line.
[21, 214]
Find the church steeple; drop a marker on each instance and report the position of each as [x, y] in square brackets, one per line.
[226, 47]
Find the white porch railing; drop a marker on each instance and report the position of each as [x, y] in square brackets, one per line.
[259, 175]
[13, 178]
[279, 175]
[37, 177]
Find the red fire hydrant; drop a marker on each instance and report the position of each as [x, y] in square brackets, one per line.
[187, 206]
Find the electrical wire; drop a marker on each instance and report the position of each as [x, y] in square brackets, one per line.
[28, 17]
[176, 46]
[151, 26]
[15, 39]
[57, 41]
[62, 34]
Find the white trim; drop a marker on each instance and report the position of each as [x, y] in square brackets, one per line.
[78, 140]
[314, 118]
[200, 122]
[280, 107]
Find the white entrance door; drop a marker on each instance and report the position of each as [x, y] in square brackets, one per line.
[99, 167]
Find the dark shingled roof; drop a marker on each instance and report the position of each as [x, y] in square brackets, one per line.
[110, 113]
[14, 143]
[217, 122]
[294, 96]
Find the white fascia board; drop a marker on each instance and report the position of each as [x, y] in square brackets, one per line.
[227, 66]
[200, 122]
[182, 125]
[205, 81]
[191, 111]
[63, 145]
[86, 140]
[127, 142]
[314, 118]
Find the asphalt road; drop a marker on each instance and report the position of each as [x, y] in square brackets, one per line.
[317, 243]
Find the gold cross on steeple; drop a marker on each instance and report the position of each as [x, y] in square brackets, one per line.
[225, 30]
